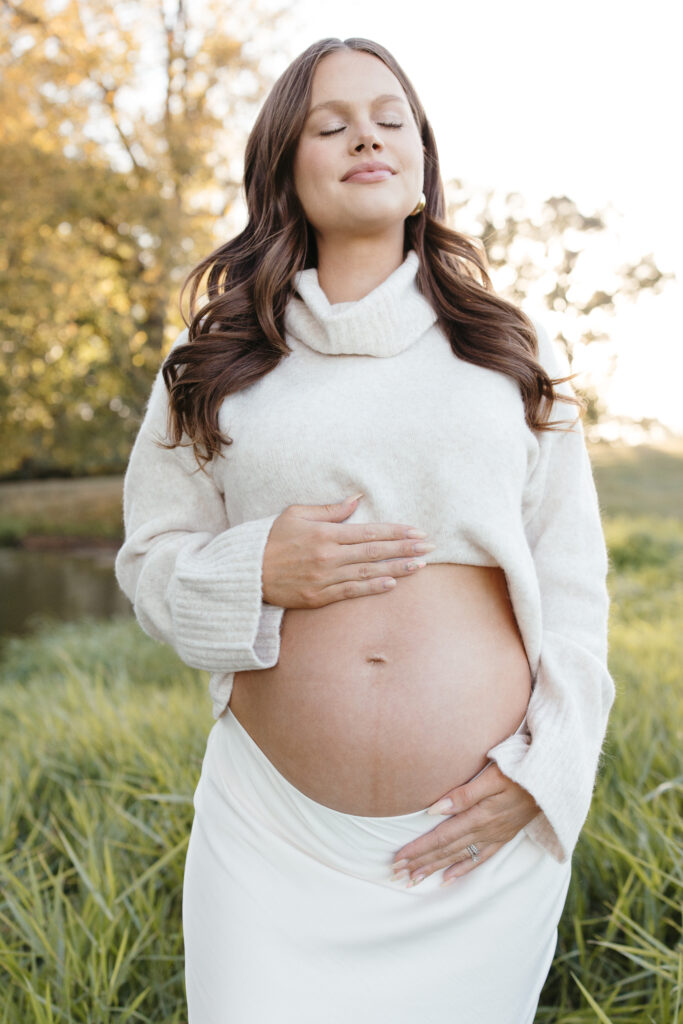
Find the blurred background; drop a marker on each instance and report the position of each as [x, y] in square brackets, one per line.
[123, 127]
[123, 132]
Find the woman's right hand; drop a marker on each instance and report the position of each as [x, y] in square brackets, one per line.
[312, 558]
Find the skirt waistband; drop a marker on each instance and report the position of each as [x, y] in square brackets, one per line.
[358, 844]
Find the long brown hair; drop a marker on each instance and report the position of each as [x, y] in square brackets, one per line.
[237, 336]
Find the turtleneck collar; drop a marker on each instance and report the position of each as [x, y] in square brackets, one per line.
[383, 323]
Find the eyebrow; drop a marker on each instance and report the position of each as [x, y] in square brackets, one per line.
[343, 105]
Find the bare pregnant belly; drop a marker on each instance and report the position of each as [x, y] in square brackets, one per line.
[378, 705]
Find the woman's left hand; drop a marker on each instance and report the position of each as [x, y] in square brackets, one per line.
[489, 811]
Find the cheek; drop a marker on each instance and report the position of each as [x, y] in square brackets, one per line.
[414, 158]
[411, 152]
[312, 168]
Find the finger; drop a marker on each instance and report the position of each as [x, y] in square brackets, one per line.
[458, 857]
[375, 556]
[357, 569]
[376, 545]
[438, 838]
[364, 533]
[358, 574]
[445, 854]
[461, 798]
[489, 821]
[418, 874]
[449, 831]
[448, 837]
[463, 867]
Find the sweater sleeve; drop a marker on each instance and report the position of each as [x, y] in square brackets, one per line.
[573, 691]
[195, 582]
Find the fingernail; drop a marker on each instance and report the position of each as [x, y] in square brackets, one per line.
[355, 497]
[415, 881]
[415, 533]
[442, 807]
[448, 881]
[400, 863]
[399, 875]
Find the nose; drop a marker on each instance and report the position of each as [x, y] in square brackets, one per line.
[367, 137]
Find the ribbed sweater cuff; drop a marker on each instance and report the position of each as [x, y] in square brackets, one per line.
[559, 776]
[221, 622]
[514, 758]
[567, 718]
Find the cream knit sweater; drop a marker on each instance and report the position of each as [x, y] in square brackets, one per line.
[371, 398]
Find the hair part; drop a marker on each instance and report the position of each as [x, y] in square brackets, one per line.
[237, 335]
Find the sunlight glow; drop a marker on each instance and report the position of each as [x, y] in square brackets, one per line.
[549, 100]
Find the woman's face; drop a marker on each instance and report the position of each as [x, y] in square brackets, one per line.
[364, 117]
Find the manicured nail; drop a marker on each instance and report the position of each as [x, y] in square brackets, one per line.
[355, 497]
[415, 881]
[448, 881]
[400, 863]
[398, 876]
[415, 533]
[442, 807]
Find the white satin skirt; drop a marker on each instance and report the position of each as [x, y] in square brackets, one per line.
[290, 915]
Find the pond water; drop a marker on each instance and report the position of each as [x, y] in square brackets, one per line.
[56, 584]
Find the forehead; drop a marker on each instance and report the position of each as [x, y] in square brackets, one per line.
[352, 75]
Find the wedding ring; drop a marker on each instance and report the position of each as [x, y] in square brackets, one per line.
[473, 851]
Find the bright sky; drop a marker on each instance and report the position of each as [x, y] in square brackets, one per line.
[544, 99]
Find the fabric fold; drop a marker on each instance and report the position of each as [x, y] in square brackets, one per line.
[391, 316]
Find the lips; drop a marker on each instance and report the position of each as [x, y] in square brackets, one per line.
[368, 170]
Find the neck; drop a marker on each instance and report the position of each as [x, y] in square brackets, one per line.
[384, 322]
[350, 268]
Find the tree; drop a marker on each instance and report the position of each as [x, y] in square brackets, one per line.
[123, 131]
[537, 253]
[123, 127]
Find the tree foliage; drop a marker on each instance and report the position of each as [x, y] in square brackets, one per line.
[562, 262]
[123, 130]
[124, 125]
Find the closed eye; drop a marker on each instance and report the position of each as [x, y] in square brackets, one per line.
[384, 124]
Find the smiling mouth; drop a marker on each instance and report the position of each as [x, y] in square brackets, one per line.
[376, 175]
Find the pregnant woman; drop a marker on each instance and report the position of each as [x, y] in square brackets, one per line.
[358, 500]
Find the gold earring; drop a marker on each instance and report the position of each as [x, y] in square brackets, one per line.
[420, 206]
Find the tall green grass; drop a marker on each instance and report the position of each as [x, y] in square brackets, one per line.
[103, 735]
[620, 949]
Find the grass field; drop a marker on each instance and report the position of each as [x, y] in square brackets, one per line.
[103, 735]
[84, 507]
